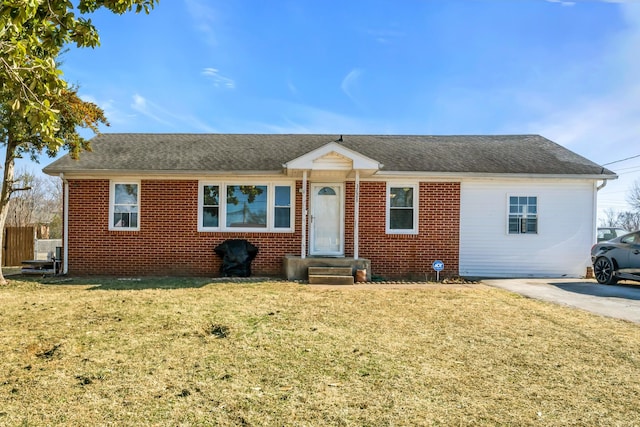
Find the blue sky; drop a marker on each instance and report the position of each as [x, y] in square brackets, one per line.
[568, 70]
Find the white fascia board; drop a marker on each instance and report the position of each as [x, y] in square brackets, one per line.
[460, 175]
[169, 175]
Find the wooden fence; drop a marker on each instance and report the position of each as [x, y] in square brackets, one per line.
[17, 245]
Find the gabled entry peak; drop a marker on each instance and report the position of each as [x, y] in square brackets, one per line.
[332, 157]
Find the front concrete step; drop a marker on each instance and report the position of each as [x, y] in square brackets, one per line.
[329, 279]
[330, 271]
[330, 276]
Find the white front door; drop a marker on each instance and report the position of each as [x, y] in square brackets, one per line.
[327, 220]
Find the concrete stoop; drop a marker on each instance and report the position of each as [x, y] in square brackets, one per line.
[330, 276]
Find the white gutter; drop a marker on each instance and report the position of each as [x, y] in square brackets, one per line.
[169, 174]
[485, 175]
[65, 225]
[594, 222]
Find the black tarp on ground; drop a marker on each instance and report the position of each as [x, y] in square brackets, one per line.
[236, 255]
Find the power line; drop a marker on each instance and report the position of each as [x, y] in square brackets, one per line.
[629, 168]
[622, 160]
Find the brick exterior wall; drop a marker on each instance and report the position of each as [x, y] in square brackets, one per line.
[407, 256]
[168, 242]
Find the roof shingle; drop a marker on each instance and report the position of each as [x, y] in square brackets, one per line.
[180, 153]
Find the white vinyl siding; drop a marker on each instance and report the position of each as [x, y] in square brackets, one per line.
[561, 246]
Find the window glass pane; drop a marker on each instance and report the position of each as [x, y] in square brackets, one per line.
[401, 197]
[326, 191]
[401, 219]
[282, 217]
[210, 217]
[211, 195]
[514, 225]
[247, 206]
[513, 200]
[522, 201]
[126, 194]
[532, 200]
[532, 225]
[125, 219]
[283, 196]
[120, 220]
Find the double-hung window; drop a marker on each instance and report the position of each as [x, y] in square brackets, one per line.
[210, 206]
[124, 206]
[282, 207]
[245, 207]
[523, 215]
[402, 209]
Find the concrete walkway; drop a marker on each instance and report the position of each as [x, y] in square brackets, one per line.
[621, 301]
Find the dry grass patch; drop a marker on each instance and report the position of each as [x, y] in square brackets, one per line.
[189, 352]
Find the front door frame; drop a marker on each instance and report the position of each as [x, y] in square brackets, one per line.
[314, 202]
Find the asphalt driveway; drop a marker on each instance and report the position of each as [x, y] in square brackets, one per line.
[621, 301]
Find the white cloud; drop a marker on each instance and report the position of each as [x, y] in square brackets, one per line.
[349, 83]
[150, 110]
[218, 79]
[205, 18]
[605, 127]
[290, 117]
[166, 117]
[562, 2]
[385, 36]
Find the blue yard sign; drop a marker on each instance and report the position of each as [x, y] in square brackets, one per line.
[438, 266]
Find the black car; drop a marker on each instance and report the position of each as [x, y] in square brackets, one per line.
[617, 259]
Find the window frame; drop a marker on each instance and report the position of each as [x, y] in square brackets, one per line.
[112, 199]
[416, 204]
[537, 214]
[271, 206]
[201, 204]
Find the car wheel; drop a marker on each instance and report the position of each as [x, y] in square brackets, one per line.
[604, 271]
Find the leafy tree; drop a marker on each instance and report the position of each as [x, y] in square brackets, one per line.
[39, 111]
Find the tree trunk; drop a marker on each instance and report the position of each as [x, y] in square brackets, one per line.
[5, 195]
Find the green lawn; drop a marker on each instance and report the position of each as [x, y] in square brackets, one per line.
[191, 352]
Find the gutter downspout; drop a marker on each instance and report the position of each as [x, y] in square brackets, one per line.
[594, 224]
[65, 225]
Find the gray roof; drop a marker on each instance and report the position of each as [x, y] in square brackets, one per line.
[184, 153]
